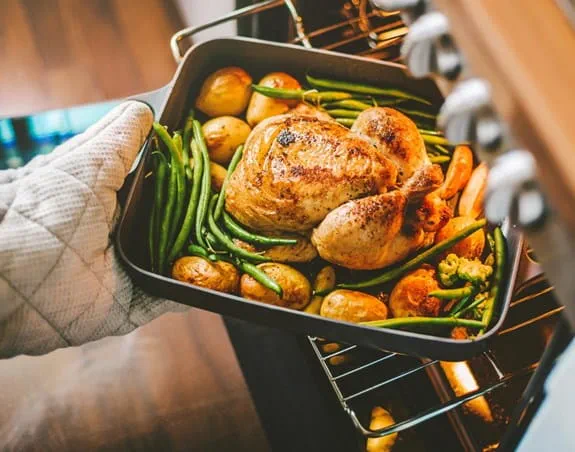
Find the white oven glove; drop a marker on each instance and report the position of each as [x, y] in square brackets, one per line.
[60, 282]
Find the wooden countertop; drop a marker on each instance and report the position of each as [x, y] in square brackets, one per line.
[58, 53]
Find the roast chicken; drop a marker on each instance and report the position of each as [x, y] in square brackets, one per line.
[296, 169]
[301, 172]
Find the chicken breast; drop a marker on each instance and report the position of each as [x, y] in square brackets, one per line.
[296, 169]
[396, 136]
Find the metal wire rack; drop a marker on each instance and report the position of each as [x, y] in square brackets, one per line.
[359, 29]
[357, 374]
[527, 298]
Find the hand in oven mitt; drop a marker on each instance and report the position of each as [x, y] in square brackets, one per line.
[60, 281]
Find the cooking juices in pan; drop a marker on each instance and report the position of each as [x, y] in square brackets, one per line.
[328, 202]
[257, 212]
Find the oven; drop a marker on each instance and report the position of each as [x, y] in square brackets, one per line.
[317, 393]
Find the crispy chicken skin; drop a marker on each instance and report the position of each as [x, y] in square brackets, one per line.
[371, 233]
[396, 136]
[296, 169]
[409, 296]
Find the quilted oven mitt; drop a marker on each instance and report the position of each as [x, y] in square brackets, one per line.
[60, 281]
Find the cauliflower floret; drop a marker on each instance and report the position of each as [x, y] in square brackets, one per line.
[454, 269]
[447, 270]
[474, 271]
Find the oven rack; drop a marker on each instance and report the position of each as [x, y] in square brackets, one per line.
[361, 30]
[528, 293]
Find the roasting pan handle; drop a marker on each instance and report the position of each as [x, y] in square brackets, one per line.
[237, 14]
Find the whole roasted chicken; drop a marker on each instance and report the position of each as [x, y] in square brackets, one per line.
[355, 187]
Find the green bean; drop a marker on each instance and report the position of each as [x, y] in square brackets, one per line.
[213, 243]
[239, 232]
[399, 322]
[262, 277]
[187, 139]
[166, 219]
[350, 104]
[205, 190]
[196, 250]
[430, 132]
[341, 113]
[426, 255]
[360, 88]
[159, 193]
[387, 102]
[301, 94]
[225, 241]
[231, 167]
[459, 306]
[449, 294]
[347, 122]
[440, 149]
[478, 300]
[500, 258]
[153, 229]
[189, 217]
[421, 114]
[180, 192]
[432, 139]
[176, 189]
[439, 159]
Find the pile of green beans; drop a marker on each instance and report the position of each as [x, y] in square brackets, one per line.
[185, 213]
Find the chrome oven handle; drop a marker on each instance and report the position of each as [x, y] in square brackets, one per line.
[237, 14]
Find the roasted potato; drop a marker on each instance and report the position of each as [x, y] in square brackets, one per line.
[381, 418]
[409, 296]
[353, 306]
[223, 135]
[471, 201]
[220, 276]
[470, 247]
[225, 92]
[458, 172]
[262, 107]
[296, 288]
[324, 280]
[218, 174]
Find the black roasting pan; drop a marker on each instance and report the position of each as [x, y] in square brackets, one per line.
[259, 58]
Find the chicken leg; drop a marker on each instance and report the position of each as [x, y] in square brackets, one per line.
[371, 232]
